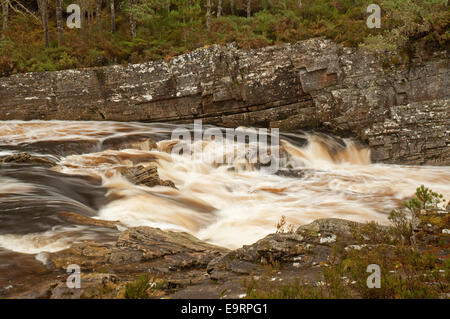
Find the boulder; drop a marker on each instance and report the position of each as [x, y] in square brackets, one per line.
[146, 175]
[138, 248]
[308, 246]
[179, 257]
[26, 158]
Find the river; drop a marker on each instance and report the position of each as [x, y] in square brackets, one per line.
[228, 204]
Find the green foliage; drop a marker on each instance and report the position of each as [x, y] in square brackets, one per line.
[424, 199]
[138, 288]
[406, 271]
[407, 20]
[145, 287]
[402, 226]
[164, 31]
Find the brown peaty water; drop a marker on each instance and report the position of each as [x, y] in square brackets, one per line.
[226, 204]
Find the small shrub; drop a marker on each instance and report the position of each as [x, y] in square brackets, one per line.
[138, 288]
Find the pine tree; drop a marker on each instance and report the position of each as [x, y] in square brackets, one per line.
[113, 16]
[98, 13]
[219, 8]
[208, 15]
[43, 7]
[132, 19]
[59, 21]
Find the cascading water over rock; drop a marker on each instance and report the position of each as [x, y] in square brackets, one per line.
[225, 203]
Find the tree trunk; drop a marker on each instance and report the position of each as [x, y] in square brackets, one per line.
[249, 8]
[90, 15]
[219, 8]
[208, 15]
[132, 20]
[44, 15]
[98, 14]
[113, 16]
[5, 13]
[232, 6]
[59, 22]
[83, 16]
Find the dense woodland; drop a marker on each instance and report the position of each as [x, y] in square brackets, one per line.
[35, 36]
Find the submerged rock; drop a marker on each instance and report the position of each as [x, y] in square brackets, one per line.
[130, 142]
[146, 175]
[295, 173]
[26, 158]
[79, 219]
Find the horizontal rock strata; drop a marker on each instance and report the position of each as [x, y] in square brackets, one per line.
[402, 112]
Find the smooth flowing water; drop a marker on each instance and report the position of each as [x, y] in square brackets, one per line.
[225, 204]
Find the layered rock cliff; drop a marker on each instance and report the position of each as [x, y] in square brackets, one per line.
[401, 112]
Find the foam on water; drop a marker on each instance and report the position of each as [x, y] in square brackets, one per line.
[54, 240]
[229, 204]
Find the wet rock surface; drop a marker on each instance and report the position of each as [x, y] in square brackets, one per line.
[401, 111]
[26, 158]
[184, 267]
[141, 245]
[306, 248]
[178, 259]
[178, 265]
[146, 175]
[130, 142]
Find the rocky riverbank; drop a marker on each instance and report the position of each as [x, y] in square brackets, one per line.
[320, 260]
[326, 258]
[399, 106]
